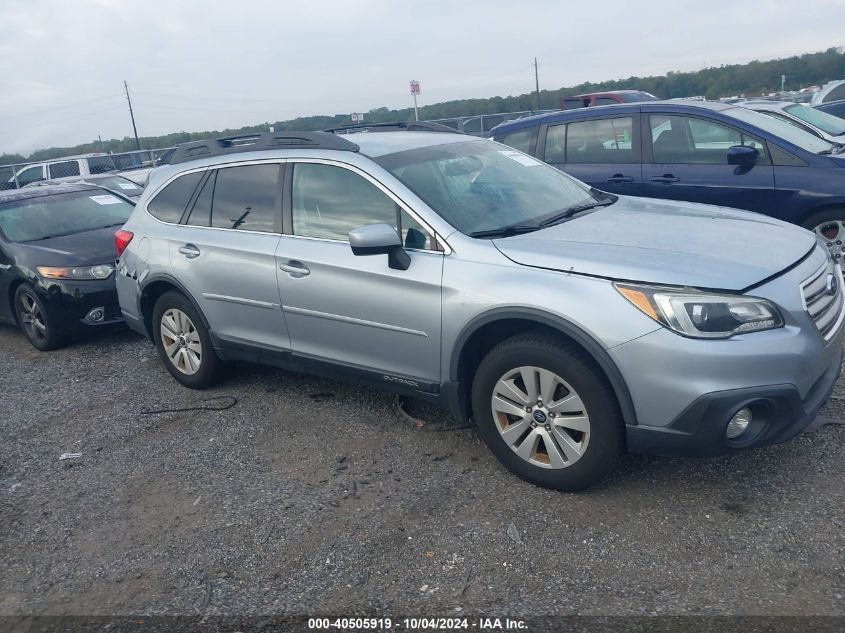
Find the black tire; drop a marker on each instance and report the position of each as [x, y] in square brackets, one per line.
[35, 321]
[208, 370]
[566, 361]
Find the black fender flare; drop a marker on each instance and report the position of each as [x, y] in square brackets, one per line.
[596, 351]
[165, 277]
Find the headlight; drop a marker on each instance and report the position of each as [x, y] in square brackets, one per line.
[101, 271]
[703, 315]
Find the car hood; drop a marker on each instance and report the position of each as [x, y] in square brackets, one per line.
[665, 242]
[79, 249]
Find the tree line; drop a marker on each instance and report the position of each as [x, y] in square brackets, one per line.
[753, 78]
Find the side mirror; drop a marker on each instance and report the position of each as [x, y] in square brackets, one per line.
[742, 155]
[380, 239]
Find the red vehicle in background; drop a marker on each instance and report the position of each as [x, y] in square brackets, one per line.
[609, 97]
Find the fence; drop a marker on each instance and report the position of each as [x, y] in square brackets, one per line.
[21, 174]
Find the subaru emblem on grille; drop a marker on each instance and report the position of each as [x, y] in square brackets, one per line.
[830, 285]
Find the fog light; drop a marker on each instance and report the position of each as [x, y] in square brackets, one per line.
[96, 315]
[739, 423]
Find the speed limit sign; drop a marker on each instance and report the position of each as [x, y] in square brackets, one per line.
[415, 87]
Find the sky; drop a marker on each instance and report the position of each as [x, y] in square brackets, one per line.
[196, 65]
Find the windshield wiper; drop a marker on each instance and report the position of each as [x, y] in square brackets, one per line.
[578, 208]
[506, 231]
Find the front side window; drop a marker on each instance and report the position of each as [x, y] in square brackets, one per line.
[43, 217]
[30, 174]
[330, 201]
[169, 204]
[480, 186]
[245, 198]
[605, 101]
[63, 170]
[523, 140]
[679, 139]
[600, 141]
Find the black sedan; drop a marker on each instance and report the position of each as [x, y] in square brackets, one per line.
[57, 258]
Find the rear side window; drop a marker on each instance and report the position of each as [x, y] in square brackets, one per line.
[555, 152]
[170, 203]
[63, 170]
[201, 212]
[245, 198]
[600, 141]
[523, 140]
[100, 164]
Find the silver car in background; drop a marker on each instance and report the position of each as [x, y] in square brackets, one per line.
[822, 124]
[569, 323]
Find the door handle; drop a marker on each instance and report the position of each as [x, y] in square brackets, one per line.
[665, 178]
[295, 268]
[190, 251]
[620, 178]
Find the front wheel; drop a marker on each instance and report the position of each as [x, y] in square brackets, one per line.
[547, 413]
[829, 225]
[34, 320]
[183, 342]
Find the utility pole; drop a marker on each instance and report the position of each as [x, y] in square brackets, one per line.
[537, 83]
[132, 116]
[100, 138]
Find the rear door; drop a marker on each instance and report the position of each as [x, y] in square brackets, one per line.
[685, 158]
[356, 311]
[224, 254]
[602, 152]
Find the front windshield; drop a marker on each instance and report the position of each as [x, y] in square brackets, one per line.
[828, 123]
[786, 131]
[485, 186]
[48, 216]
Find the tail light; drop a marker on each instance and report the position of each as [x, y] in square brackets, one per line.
[121, 240]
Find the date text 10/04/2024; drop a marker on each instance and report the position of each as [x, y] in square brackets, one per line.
[417, 624]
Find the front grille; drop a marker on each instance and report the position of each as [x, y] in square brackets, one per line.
[824, 298]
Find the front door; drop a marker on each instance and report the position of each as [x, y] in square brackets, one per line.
[690, 162]
[356, 310]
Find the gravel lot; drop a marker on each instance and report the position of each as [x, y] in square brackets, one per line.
[313, 497]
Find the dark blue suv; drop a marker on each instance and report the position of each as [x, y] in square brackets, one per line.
[701, 152]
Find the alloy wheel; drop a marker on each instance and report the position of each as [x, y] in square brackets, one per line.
[833, 234]
[541, 417]
[31, 318]
[181, 341]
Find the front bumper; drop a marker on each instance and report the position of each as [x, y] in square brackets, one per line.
[69, 303]
[779, 414]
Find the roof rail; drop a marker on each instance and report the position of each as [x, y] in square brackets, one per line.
[258, 142]
[408, 126]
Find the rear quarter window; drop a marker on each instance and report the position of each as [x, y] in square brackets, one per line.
[170, 203]
[524, 140]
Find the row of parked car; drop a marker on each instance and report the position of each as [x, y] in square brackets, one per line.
[537, 285]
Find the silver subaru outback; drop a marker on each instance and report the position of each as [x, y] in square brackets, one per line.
[569, 323]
